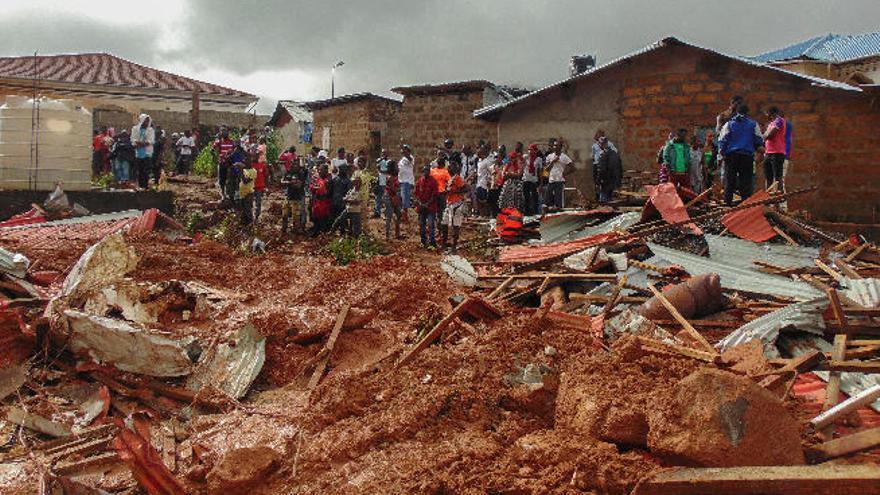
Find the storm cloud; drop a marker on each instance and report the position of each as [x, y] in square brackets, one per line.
[387, 43]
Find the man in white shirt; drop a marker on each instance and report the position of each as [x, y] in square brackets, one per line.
[532, 167]
[340, 162]
[407, 178]
[484, 177]
[185, 146]
[559, 165]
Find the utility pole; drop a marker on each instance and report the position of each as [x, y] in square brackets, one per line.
[333, 78]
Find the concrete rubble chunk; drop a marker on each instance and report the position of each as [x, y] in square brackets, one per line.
[127, 347]
[715, 418]
[232, 368]
[241, 470]
[103, 263]
[460, 270]
[15, 264]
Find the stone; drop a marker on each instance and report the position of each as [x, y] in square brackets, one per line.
[241, 470]
[714, 418]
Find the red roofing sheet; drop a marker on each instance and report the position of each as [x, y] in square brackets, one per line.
[750, 223]
[665, 198]
[31, 216]
[104, 69]
[530, 254]
[134, 448]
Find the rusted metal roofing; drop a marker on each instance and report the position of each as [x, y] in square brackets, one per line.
[738, 275]
[449, 87]
[343, 100]
[531, 254]
[750, 223]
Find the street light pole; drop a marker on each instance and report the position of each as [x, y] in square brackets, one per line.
[333, 78]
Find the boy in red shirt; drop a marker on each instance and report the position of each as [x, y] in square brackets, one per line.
[426, 194]
[259, 188]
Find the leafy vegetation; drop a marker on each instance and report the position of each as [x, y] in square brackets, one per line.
[103, 181]
[348, 249]
[206, 162]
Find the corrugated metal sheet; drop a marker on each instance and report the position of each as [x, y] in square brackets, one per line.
[864, 291]
[733, 250]
[818, 81]
[736, 276]
[570, 227]
[232, 368]
[750, 223]
[805, 316]
[530, 254]
[557, 227]
[827, 48]
[850, 383]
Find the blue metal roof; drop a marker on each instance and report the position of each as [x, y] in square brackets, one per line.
[827, 48]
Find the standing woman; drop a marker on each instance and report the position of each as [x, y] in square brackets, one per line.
[497, 179]
[512, 190]
[532, 165]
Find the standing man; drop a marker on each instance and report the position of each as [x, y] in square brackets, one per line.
[453, 214]
[321, 191]
[610, 170]
[143, 136]
[407, 179]
[158, 154]
[596, 152]
[775, 148]
[224, 147]
[246, 191]
[559, 165]
[185, 147]
[441, 174]
[740, 137]
[426, 202]
[259, 185]
[339, 162]
[382, 168]
[530, 176]
[720, 120]
[677, 158]
[469, 173]
[484, 178]
[294, 181]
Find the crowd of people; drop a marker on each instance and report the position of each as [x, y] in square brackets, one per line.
[135, 156]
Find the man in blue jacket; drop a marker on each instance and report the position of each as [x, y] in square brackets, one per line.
[739, 139]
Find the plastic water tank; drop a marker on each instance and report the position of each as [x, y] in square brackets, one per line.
[40, 147]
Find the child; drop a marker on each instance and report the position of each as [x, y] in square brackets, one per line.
[246, 191]
[392, 201]
[320, 190]
[426, 202]
[454, 214]
[294, 180]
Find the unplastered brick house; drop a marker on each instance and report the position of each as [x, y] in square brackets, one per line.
[639, 98]
[357, 121]
[433, 113]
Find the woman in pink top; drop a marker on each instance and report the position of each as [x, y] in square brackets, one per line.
[774, 149]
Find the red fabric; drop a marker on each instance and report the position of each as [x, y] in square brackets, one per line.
[426, 194]
[320, 190]
[533, 155]
[750, 223]
[508, 224]
[665, 198]
[98, 142]
[262, 174]
[287, 158]
[224, 148]
[392, 189]
[31, 216]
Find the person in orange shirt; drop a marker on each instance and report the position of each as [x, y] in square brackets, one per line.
[453, 215]
[442, 176]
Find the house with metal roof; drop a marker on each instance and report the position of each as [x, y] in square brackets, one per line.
[638, 99]
[102, 79]
[294, 121]
[852, 58]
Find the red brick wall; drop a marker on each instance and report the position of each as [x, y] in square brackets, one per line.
[836, 144]
[427, 120]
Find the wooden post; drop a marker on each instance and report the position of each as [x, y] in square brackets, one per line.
[331, 342]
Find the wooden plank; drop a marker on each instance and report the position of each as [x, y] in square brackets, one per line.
[850, 444]
[681, 319]
[836, 307]
[498, 290]
[856, 252]
[602, 277]
[832, 390]
[803, 363]
[822, 479]
[867, 351]
[331, 342]
[660, 346]
[433, 333]
[863, 343]
[827, 269]
[846, 269]
[699, 198]
[846, 407]
[838, 366]
[72, 467]
[612, 301]
[785, 236]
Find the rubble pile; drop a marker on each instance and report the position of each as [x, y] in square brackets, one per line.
[628, 350]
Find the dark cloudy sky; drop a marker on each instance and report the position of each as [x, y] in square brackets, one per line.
[284, 49]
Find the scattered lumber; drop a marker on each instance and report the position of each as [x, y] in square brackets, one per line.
[599, 277]
[822, 479]
[850, 444]
[837, 277]
[652, 345]
[846, 407]
[501, 288]
[838, 366]
[801, 364]
[331, 342]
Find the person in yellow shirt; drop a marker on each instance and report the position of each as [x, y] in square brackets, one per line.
[246, 191]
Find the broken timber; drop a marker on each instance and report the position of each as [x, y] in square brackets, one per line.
[474, 306]
[331, 342]
[823, 479]
[681, 320]
[850, 444]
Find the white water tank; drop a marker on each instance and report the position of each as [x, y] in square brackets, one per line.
[45, 143]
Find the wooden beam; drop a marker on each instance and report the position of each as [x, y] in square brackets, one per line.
[331, 342]
[846, 269]
[844, 408]
[837, 366]
[827, 269]
[498, 290]
[699, 198]
[856, 252]
[803, 363]
[682, 320]
[822, 479]
[785, 236]
[832, 390]
[601, 277]
[432, 335]
[850, 444]
[612, 301]
[666, 348]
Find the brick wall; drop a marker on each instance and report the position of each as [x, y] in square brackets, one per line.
[351, 124]
[836, 146]
[429, 119]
